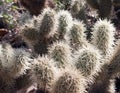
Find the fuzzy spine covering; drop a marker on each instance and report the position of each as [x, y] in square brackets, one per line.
[65, 22]
[43, 73]
[88, 61]
[70, 81]
[47, 24]
[77, 36]
[78, 9]
[61, 53]
[42, 28]
[103, 32]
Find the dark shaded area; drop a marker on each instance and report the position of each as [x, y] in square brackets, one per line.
[117, 9]
[3, 24]
[23, 81]
[6, 87]
[35, 7]
[117, 84]
[41, 91]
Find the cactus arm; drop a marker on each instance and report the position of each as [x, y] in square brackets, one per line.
[114, 66]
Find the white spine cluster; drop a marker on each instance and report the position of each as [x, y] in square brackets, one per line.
[43, 72]
[65, 22]
[103, 33]
[70, 81]
[77, 36]
[61, 53]
[48, 23]
[88, 61]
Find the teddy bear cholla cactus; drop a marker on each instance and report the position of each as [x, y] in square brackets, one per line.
[103, 83]
[66, 4]
[103, 33]
[30, 31]
[47, 27]
[61, 53]
[70, 81]
[43, 73]
[88, 60]
[104, 41]
[113, 65]
[38, 35]
[65, 22]
[76, 7]
[7, 56]
[22, 62]
[6, 82]
[76, 35]
[47, 18]
[93, 57]
[108, 72]
[13, 63]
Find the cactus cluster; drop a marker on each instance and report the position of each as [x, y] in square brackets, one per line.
[36, 33]
[62, 60]
[13, 64]
[70, 49]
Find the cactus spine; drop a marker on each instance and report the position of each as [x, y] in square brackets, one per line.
[61, 53]
[78, 9]
[88, 61]
[70, 81]
[7, 56]
[47, 23]
[103, 33]
[44, 27]
[14, 62]
[66, 4]
[61, 27]
[64, 23]
[22, 62]
[113, 66]
[77, 35]
[43, 73]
